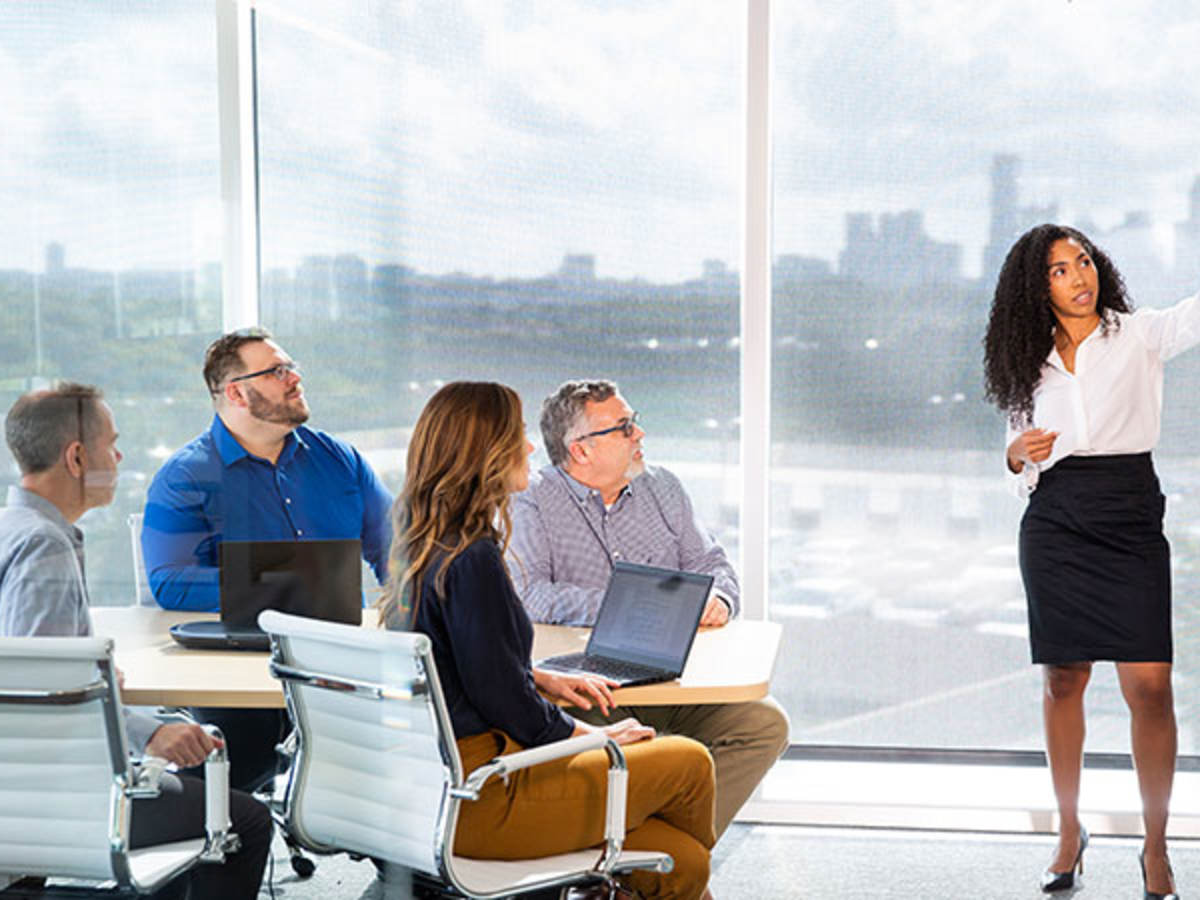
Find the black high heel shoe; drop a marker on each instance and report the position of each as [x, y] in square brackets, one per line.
[1148, 894]
[1062, 881]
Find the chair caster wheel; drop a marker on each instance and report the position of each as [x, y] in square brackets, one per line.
[303, 866]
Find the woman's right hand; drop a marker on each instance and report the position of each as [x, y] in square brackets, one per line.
[627, 731]
[1033, 445]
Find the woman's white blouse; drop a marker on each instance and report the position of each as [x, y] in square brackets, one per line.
[1113, 402]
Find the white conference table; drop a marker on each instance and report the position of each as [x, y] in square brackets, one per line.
[726, 665]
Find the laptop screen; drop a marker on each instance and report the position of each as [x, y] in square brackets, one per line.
[318, 579]
[649, 615]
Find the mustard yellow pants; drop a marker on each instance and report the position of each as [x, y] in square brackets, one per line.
[558, 807]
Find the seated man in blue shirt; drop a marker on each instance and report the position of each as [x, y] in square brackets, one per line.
[65, 443]
[257, 473]
[599, 502]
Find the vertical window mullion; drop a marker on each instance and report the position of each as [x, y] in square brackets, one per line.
[239, 170]
[756, 314]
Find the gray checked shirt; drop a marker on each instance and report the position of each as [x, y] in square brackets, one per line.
[565, 541]
[42, 586]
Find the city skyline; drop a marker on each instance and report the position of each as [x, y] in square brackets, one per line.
[878, 248]
[495, 139]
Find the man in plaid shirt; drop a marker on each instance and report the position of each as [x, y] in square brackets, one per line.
[599, 502]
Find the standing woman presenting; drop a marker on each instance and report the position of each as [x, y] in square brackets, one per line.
[1079, 375]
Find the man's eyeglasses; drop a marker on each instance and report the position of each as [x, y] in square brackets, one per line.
[280, 372]
[625, 426]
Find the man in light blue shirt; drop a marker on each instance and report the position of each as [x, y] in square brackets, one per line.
[65, 442]
[257, 473]
[599, 502]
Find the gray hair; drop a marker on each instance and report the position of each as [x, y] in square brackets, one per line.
[562, 411]
[41, 423]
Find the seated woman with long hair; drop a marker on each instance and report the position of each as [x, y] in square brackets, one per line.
[451, 528]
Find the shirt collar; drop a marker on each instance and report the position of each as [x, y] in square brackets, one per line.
[18, 496]
[582, 491]
[231, 451]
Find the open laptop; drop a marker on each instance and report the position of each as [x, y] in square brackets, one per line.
[645, 627]
[319, 579]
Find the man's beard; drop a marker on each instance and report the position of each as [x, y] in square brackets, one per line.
[636, 467]
[282, 413]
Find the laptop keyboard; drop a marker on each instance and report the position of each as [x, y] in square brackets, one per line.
[611, 668]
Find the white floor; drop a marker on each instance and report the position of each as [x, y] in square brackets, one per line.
[967, 797]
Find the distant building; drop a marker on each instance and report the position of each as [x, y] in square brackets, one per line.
[314, 293]
[56, 258]
[349, 286]
[389, 284]
[277, 301]
[1187, 241]
[791, 267]
[898, 253]
[577, 269]
[1134, 250]
[717, 278]
[1009, 220]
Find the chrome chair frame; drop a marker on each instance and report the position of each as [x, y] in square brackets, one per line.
[424, 690]
[131, 779]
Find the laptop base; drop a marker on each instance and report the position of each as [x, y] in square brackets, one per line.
[626, 674]
[210, 635]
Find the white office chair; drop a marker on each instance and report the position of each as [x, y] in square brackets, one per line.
[67, 783]
[377, 771]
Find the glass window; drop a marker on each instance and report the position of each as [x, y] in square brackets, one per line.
[523, 192]
[110, 228]
[912, 145]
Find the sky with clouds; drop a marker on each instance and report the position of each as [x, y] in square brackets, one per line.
[493, 138]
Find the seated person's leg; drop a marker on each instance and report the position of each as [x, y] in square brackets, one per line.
[745, 740]
[559, 807]
[178, 814]
[250, 738]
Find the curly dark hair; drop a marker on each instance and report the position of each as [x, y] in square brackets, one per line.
[1020, 331]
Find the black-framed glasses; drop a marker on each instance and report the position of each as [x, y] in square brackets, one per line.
[280, 372]
[625, 426]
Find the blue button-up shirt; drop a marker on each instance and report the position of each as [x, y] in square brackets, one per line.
[211, 490]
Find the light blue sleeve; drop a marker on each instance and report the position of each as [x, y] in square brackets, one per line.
[42, 592]
[42, 595]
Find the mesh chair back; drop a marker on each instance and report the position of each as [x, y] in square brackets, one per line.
[375, 757]
[58, 758]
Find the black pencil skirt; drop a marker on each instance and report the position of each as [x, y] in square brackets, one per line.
[1096, 566]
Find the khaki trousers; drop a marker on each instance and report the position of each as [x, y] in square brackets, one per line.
[558, 807]
[744, 739]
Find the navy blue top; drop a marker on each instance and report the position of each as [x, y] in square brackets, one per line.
[212, 490]
[482, 638]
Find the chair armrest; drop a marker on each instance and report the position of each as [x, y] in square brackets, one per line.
[618, 777]
[147, 773]
[219, 840]
[534, 756]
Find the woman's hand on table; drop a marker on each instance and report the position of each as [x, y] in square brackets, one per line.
[627, 731]
[577, 690]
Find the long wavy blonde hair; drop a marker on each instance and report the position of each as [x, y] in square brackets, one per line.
[466, 443]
